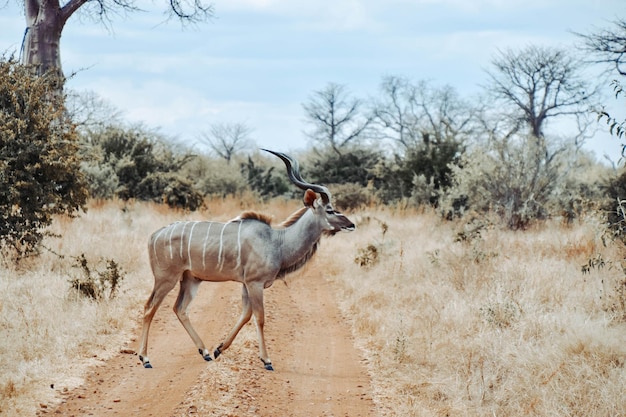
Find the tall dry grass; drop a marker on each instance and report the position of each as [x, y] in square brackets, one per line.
[500, 323]
[461, 320]
[49, 333]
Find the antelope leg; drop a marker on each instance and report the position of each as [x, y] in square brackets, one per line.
[246, 313]
[162, 286]
[188, 290]
[256, 303]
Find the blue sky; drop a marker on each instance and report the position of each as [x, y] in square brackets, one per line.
[257, 61]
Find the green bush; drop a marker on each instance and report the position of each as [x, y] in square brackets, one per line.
[39, 166]
[510, 178]
[136, 163]
[525, 179]
[421, 175]
[170, 188]
[263, 180]
[215, 176]
[351, 167]
[350, 196]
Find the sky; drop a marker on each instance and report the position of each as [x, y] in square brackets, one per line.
[257, 61]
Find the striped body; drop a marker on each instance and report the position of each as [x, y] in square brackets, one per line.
[210, 250]
[240, 250]
[246, 250]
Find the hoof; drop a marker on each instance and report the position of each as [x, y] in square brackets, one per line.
[267, 365]
[205, 356]
[145, 362]
[217, 351]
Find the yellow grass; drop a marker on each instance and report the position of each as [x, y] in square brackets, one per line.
[48, 333]
[505, 324]
[502, 324]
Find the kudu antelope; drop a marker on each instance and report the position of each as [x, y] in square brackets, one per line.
[246, 249]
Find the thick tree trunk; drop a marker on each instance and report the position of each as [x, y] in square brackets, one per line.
[45, 21]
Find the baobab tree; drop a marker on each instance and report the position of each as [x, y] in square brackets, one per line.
[45, 20]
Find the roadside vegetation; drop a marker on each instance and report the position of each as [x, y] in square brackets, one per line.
[474, 319]
[453, 317]
[487, 275]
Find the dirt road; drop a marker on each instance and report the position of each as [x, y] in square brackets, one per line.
[318, 370]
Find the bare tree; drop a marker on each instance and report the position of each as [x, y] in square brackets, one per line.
[91, 112]
[395, 113]
[226, 139]
[518, 170]
[538, 84]
[419, 114]
[338, 119]
[45, 20]
[608, 47]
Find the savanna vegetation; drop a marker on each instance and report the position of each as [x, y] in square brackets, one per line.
[487, 275]
[454, 317]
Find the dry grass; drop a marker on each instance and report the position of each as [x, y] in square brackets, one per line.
[501, 323]
[48, 333]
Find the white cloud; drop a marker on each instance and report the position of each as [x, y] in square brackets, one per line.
[320, 15]
[259, 59]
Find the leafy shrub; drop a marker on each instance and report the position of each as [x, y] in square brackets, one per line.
[614, 205]
[501, 314]
[388, 183]
[39, 164]
[136, 163]
[422, 174]
[512, 179]
[96, 284]
[424, 190]
[354, 167]
[263, 180]
[169, 188]
[215, 176]
[102, 179]
[370, 254]
[350, 196]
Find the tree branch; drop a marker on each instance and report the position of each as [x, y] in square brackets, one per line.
[69, 9]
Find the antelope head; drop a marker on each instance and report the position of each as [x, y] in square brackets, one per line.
[333, 221]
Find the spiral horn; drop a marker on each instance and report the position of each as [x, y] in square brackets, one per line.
[293, 172]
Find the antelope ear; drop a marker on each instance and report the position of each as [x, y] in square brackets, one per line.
[309, 198]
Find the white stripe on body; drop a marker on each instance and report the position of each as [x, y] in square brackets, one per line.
[182, 239]
[156, 238]
[172, 228]
[220, 261]
[239, 245]
[189, 245]
[206, 239]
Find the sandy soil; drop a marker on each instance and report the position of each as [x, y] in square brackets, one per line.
[318, 372]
